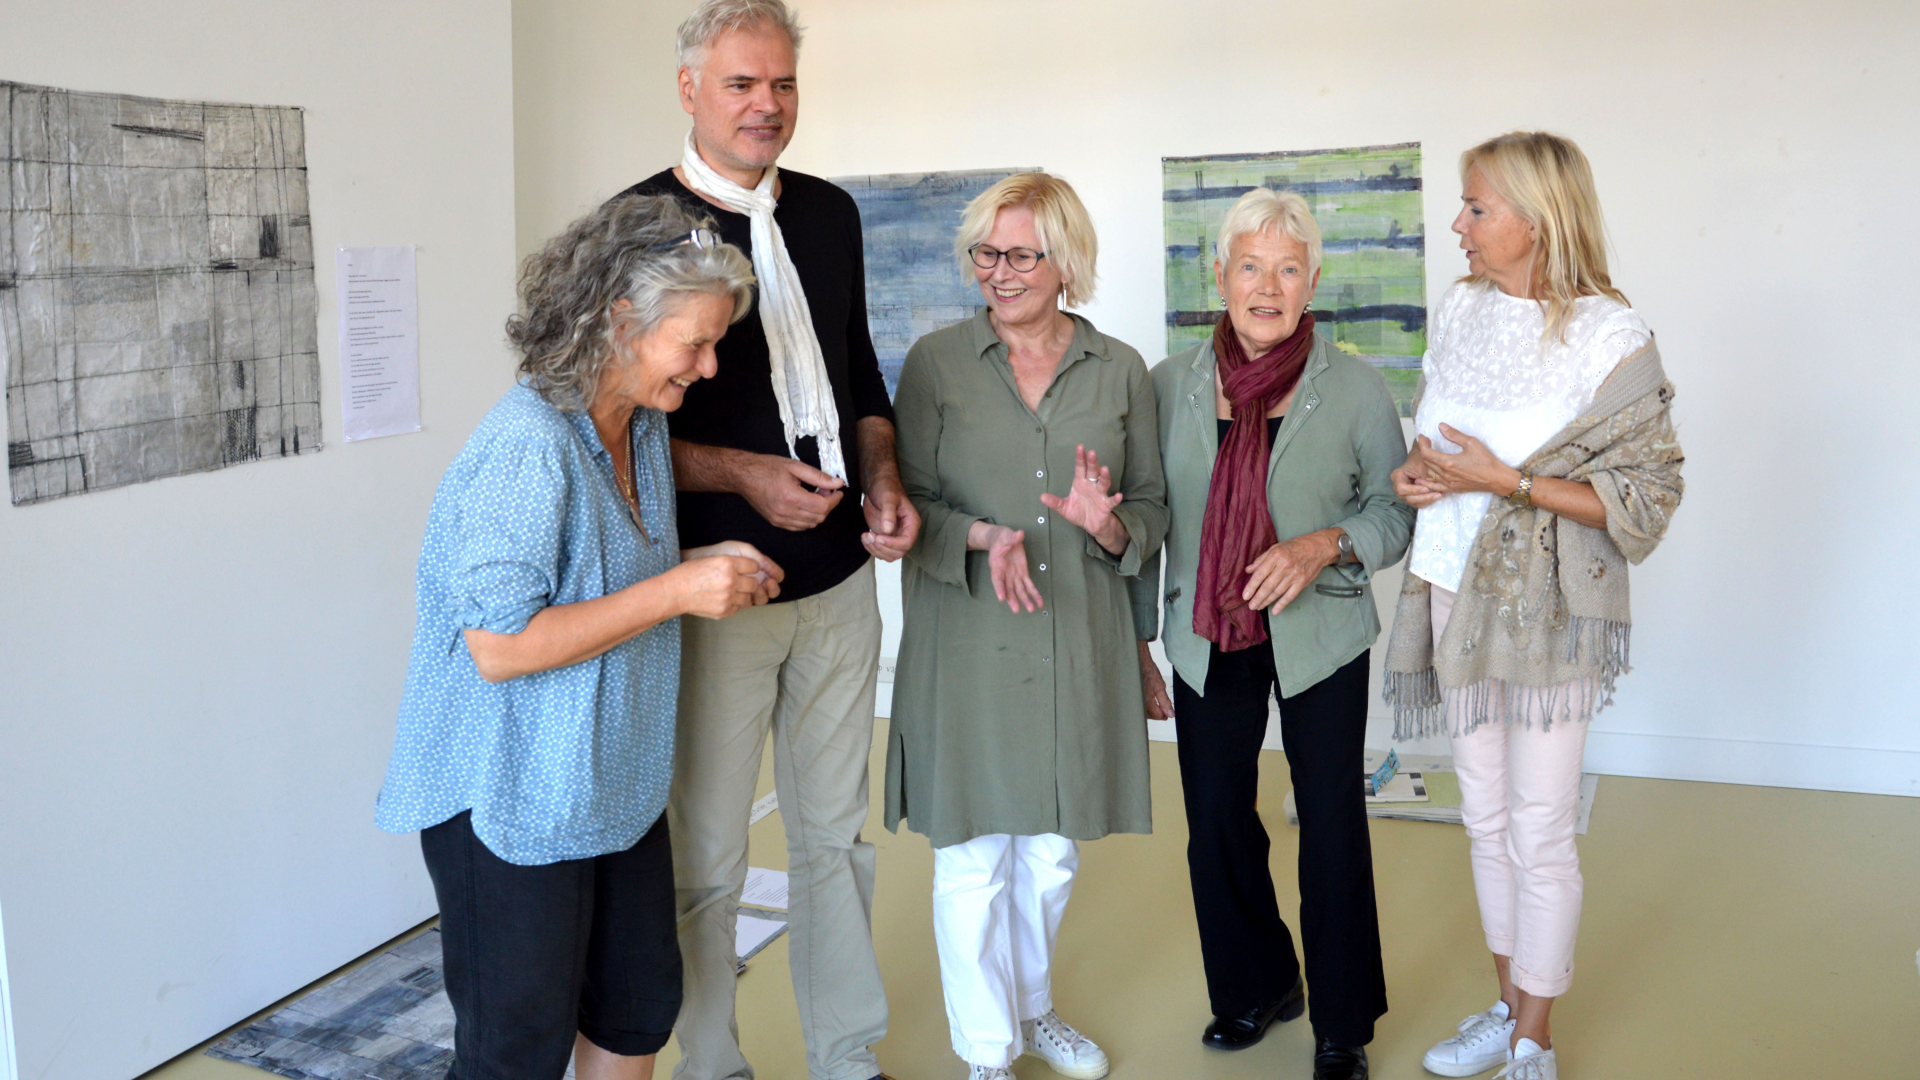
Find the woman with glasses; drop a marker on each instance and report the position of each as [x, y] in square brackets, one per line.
[536, 733]
[1279, 453]
[1027, 442]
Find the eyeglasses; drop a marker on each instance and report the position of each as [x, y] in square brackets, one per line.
[1021, 259]
[699, 238]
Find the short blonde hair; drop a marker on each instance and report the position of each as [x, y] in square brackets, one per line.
[1550, 185]
[1262, 209]
[1060, 219]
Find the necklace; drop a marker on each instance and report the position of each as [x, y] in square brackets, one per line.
[630, 493]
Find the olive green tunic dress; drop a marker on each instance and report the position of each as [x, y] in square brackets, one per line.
[1023, 723]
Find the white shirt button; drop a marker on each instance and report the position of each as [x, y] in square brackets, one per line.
[1042, 519]
[1040, 473]
[1043, 566]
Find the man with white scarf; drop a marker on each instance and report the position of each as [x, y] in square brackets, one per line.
[789, 447]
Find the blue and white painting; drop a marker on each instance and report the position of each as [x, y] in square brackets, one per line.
[914, 283]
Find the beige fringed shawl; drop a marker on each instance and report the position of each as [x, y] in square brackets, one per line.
[1541, 619]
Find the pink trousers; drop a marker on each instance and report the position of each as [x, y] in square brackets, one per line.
[1519, 795]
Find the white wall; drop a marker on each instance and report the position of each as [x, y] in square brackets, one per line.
[1755, 160]
[199, 675]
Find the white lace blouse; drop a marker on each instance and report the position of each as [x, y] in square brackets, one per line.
[1490, 375]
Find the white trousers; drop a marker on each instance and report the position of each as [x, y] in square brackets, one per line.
[997, 902]
[1520, 798]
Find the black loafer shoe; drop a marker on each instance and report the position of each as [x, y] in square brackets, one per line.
[1242, 1031]
[1331, 1062]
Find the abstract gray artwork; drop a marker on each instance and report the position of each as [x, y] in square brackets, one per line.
[388, 1019]
[914, 284]
[157, 305]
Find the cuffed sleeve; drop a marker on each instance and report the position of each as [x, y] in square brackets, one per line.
[941, 550]
[1382, 527]
[506, 558]
[1143, 595]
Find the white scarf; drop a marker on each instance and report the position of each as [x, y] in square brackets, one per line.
[799, 370]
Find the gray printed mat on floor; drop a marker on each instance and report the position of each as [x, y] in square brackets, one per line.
[388, 1019]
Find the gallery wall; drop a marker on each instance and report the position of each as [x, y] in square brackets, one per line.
[199, 675]
[1753, 159]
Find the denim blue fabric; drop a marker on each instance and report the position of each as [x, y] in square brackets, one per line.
[563, 764]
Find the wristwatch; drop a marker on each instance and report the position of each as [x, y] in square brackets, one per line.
[1345, 543]
[1522, 496]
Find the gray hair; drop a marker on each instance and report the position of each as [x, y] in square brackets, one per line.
[715, 17]
[1264, 208]
[568, 333]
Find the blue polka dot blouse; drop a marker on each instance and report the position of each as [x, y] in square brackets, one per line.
[562, 764]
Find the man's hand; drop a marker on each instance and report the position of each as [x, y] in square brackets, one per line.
[783, 491]
[892, 523]
[790, 494]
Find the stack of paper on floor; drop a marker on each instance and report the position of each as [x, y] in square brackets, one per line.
[1442, 791]
[763, 906]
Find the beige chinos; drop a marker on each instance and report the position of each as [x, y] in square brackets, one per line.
[806, 670]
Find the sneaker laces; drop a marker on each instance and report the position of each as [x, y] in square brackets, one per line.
[989, 1072]
[1531, 1067]
[1062, 1035]
[1478, 1028]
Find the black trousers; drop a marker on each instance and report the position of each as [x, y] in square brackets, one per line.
[1247, 949]
[536, 953]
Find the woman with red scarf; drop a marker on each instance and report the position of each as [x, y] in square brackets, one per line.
[1278, 451]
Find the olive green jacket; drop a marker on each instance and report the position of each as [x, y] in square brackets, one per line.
[1029, 722]
[1329, 467]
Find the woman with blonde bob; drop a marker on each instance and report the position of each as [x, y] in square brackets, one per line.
[1027, 444]
[1546, 463]
[1278, 450]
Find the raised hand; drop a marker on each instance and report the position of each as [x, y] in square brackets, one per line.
[1087, 503]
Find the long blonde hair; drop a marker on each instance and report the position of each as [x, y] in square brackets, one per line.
[1549, 184]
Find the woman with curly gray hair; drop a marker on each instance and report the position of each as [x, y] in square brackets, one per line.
[535, 739]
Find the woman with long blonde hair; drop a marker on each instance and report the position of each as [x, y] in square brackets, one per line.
[1546, 463]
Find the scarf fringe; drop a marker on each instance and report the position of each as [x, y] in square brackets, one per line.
[1423, 708]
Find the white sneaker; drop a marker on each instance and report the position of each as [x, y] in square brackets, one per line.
[990, 1072]
[1529, 1062]
[1481, 1044]
[1065, 1050]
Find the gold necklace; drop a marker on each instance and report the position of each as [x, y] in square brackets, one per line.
[630, 493]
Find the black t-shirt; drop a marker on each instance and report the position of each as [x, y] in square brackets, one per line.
[736, 408]
[1273, 431]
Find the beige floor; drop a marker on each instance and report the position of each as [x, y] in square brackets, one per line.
[1729, 932]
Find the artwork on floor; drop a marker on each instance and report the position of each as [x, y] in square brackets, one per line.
[1373, 279]
[157, 305]
[914, 283]
[387, 1018]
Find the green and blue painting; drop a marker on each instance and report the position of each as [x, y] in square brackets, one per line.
[1372, 298]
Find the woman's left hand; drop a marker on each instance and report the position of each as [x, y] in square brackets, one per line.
[1087, 503]
[1474, 468]
[1285, 569]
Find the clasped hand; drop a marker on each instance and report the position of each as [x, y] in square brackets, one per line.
[1431, 473]
[720, 579]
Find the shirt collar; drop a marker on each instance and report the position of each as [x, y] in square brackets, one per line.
[1086, 340]
[590, 435]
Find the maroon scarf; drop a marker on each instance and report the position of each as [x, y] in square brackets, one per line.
[1238, 527]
